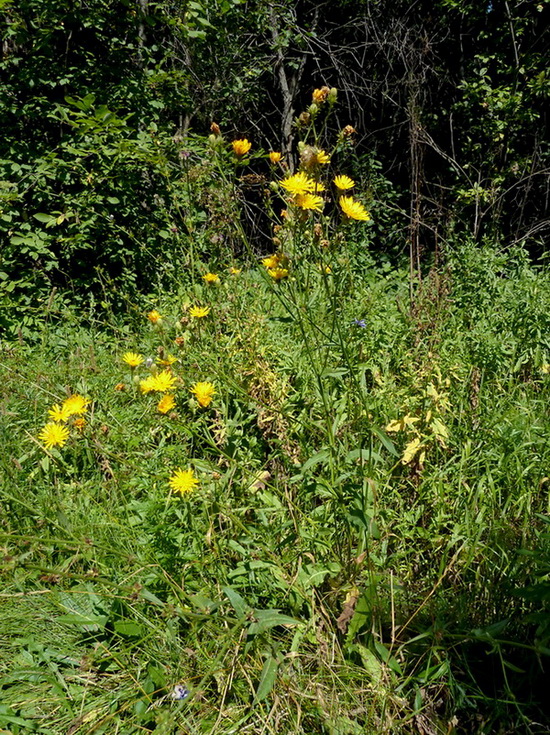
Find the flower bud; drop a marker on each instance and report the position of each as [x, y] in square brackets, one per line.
[332, 95]
[313, 109]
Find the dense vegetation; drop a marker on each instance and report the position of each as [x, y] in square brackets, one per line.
[275, 359]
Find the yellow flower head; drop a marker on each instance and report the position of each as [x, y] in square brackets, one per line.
[234, 271]
[163, 382]
[183, 481]
[322, 157]
[75, 405]
[132, 359]
[275, 260]
[54, 435]
[166, 403]
[59, 413]
[241, 147]
[354, 209]
[154, 317]
[300, 183]
[120, 386]
[79, 424]
[344, 183]
[275, 156]
[311, 157]
[204, 393]
[199, 312]
[278, 273]
[272, 261]
[167, 361]
[309, 201]
[147, 385]
[211, 278]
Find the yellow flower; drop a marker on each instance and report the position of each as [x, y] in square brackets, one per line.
[59, 413]
[272, 261]
[354, 209]
[147, 385]
[211, 278]
[75, 404]
[163, 382]
[167, 361]
[132, 359]
[344, 183]
[300, 183]
[79, 424]
[309, 201]
[320, 95]
[322, 157]
[204, 393]
[166, 403]
[278, 273]
[234, 271]
[275, 156]
[54, 435]
[120, 386]
[241, 147]
[311, 156]
[199, 311]
[183, 481]
[154, 316]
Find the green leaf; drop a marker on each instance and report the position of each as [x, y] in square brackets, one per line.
[90, 623]
[241, 607]
[128, 628]
[267, 678]
[386, 442]
[46, 218]
[267, 619]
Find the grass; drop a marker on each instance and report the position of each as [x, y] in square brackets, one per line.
[313, 582]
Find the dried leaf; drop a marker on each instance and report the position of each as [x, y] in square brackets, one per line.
[348, 610]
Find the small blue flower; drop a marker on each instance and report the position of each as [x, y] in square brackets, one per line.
[179, 692]
[359, 323]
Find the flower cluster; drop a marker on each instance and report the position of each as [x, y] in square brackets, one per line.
[276, 266]
[56, 432]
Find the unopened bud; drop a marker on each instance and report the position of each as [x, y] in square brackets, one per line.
[332, 95]
[313, 109]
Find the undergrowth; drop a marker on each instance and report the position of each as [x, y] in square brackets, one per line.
[280, 497]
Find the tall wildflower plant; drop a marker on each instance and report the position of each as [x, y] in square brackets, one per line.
[316, 211]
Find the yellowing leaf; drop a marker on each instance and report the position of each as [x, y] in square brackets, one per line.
[395, 425]
[402, 424]
[439, 429]
[411, 450]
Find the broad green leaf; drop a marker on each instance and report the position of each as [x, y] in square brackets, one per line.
[267, 678]
[239, 604]
[128, 628]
